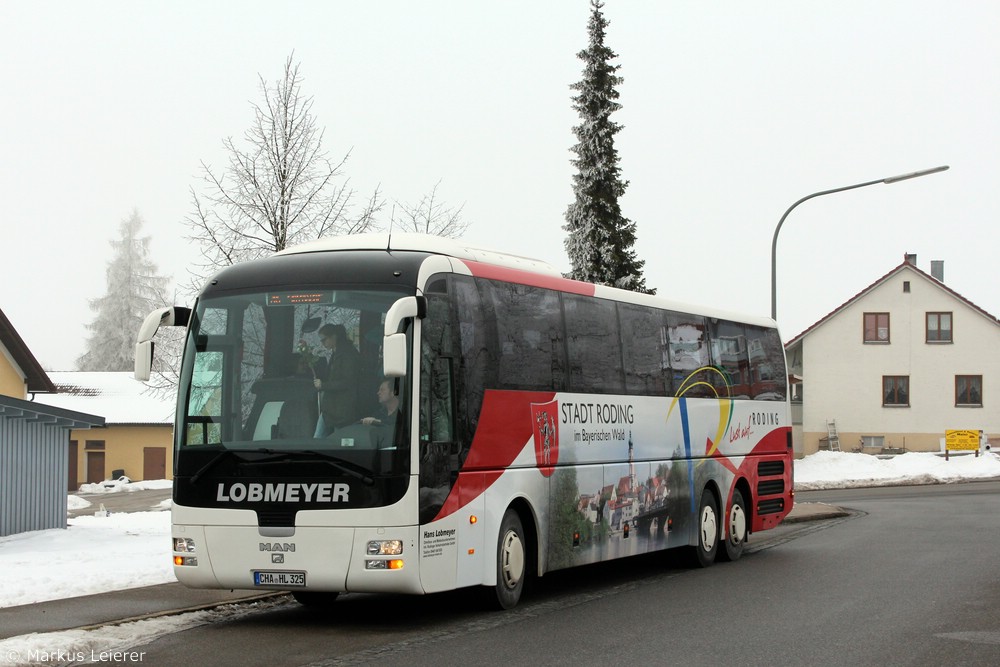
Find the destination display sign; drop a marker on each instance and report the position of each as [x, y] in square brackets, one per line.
[295, 298]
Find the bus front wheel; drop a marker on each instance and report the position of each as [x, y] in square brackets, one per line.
[511, 561]
[708, 530]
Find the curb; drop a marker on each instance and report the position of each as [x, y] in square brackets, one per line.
[802, 512]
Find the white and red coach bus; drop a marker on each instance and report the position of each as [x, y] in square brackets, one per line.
[542, 423]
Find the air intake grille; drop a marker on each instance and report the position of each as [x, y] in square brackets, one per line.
[774, 506]
[768, 468]
[770, 487]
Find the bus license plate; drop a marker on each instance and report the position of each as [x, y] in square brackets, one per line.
[275, 578]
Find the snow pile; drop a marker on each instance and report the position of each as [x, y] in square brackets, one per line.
[80, 646]
[100, 645]
[841, 470]
[124, 484]
[77, 503]
[92, 555]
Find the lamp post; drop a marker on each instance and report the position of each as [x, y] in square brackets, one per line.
[774, 241]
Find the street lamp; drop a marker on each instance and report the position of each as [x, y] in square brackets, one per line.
[774, 241]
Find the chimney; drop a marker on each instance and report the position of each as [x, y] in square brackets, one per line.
[910, 258]
[937, 270]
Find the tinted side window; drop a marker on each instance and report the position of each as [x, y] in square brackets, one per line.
[768, 376]
[477, 371]
[689, 355]
[729, 351]
[529, 340]
[593, 346]
[437, 365]
[647, 359]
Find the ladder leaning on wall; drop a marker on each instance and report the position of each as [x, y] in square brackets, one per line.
[832, 439]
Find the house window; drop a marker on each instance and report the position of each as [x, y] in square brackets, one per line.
[969, 390]
[876, 327]
[873, 441]
[938, 327]
[896, 390]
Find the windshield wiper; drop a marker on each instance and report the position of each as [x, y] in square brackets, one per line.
[352, 469]
[211, 464]
[278, 456]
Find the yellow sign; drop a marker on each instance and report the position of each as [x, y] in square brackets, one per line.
[956, 439]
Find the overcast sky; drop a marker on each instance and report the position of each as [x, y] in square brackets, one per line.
[732, 111]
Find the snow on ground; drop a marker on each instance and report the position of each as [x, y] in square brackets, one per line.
[124, 484]
[98, 554]
[112, 643]
[93, 555]
[842, 470]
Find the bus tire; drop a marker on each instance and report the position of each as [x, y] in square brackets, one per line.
[708, 530]
[511, 561]
[737, 528]
[314, 599]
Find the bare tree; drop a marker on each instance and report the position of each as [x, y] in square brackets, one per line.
[280, 187]
[430, 216]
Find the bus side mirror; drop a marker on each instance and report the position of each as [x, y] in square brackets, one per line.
[174, 316]
[394, 343]
[394, 355]
[143, 360]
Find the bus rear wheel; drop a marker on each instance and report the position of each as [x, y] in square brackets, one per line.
[737, 528]
[708, 530]
[511, 561]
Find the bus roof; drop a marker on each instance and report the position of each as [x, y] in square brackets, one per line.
[423, 243]
[456, 248]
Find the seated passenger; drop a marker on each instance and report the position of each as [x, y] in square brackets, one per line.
[389, 401]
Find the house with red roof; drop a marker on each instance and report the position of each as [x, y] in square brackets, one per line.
[895, 367]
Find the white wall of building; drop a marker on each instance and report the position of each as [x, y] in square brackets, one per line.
[843, 374]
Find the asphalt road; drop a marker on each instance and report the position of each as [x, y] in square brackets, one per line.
[145, 500]
[908, 578]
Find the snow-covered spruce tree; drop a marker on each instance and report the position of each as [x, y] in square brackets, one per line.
[133, 289]
[280, 187]
[600, 239]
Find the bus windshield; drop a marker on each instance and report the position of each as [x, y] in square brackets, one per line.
[286, 372]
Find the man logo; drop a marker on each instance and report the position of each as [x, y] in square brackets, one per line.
[277, 558]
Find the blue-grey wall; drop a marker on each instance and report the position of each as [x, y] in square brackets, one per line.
[34, 467]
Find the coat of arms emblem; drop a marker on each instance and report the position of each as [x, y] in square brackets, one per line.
[545, 428]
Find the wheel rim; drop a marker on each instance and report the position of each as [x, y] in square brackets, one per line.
[737, 525]
[709, 528]
[511, 559]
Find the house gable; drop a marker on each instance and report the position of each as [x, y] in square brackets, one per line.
[20, 372]
[852, 379]
[908, 271]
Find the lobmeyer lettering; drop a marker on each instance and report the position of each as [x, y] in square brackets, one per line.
[290, 492]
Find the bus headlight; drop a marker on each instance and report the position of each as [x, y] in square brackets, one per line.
[184, 545]
[385, 547]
